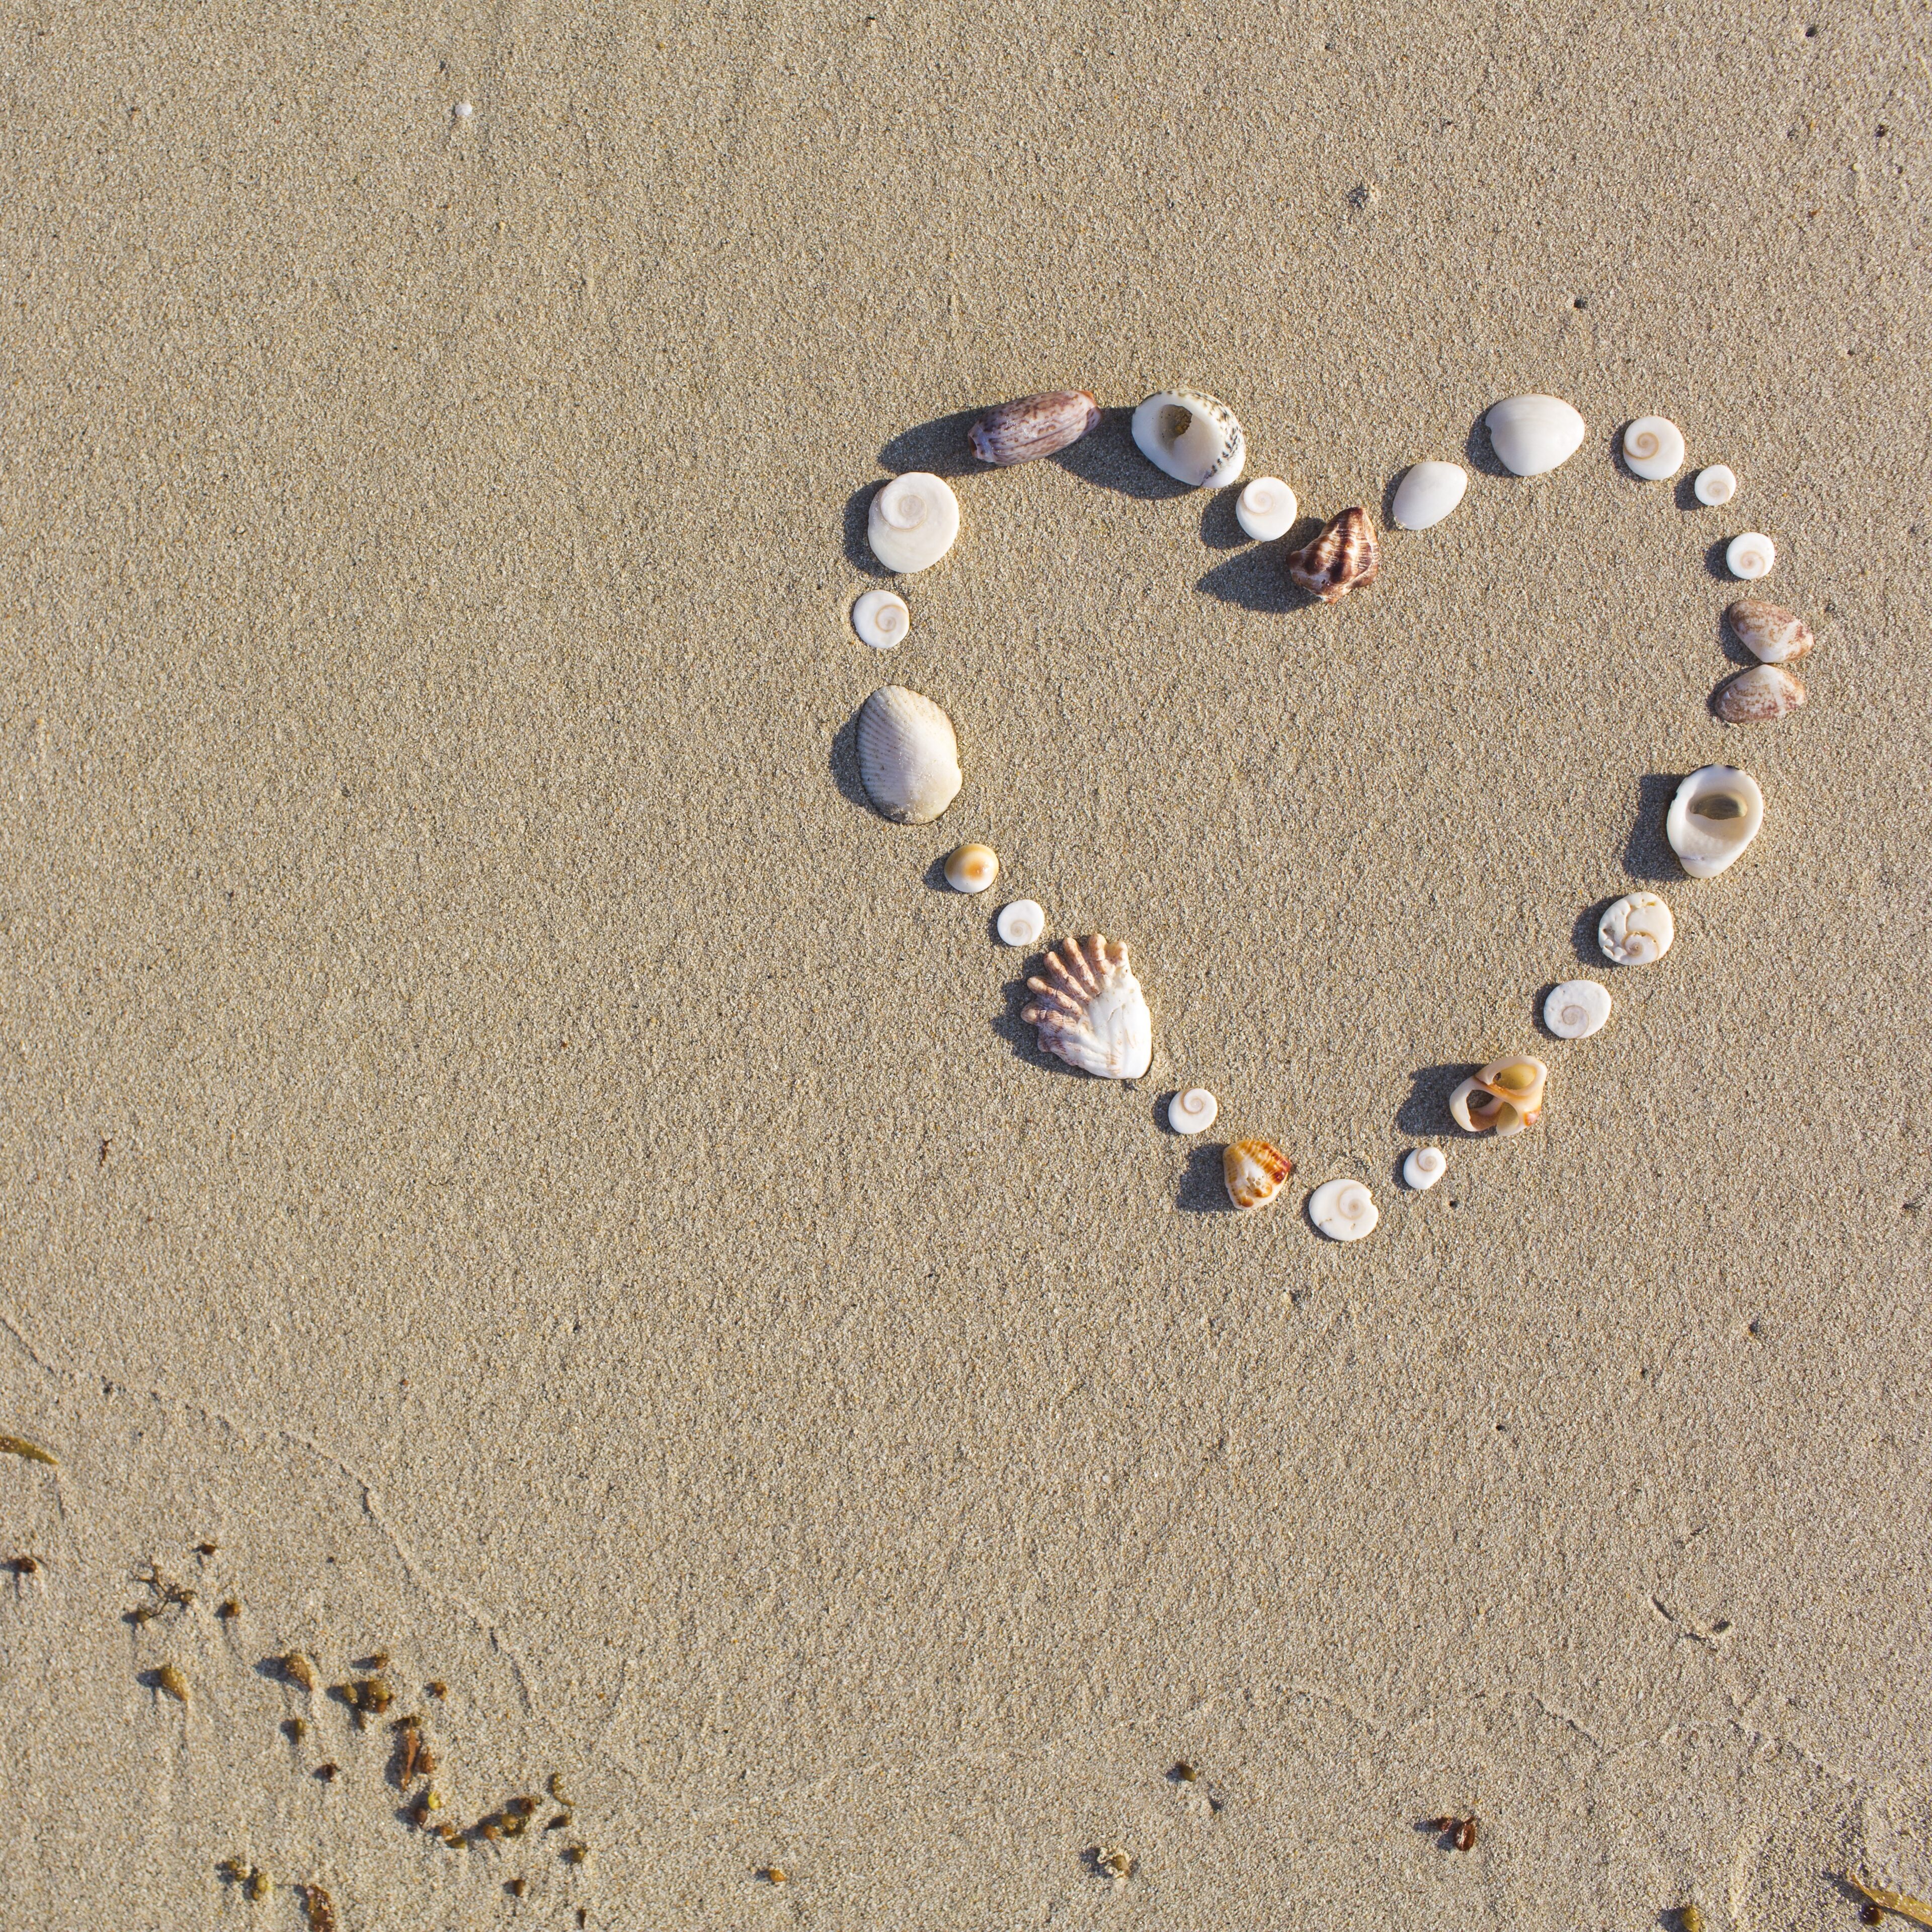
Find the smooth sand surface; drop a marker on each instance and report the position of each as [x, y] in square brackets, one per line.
[498, 1139]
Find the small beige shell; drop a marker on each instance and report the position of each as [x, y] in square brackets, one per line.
[1254, 1173]
[971, 868]
[1751, 555]
[908, 756]
[1193, 1112]
[1091, 1011]
[1756, 696]
[1717, 812]
[1637, 930]
[1342, 558]
[1034, 427]
[1020, 923]
[1506, 1095]
[1422, 1167]
[1717, 483]
[1771, 633]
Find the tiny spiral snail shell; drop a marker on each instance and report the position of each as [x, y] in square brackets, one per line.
[1654, 449]
[1717, 483]
[1637, 930]
[1193, 1112]
[1576, 1009]
[1022, 922]
[1343, 1210]
[1265, 509]
[881, 619]
[1423, 1167]
[1750, 556]
[971, 868]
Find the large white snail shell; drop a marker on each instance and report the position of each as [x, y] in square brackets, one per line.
[912, 522]
[1637, 930]
[1576, 1009]
[1265, 509]
[1654, 449]
[908, 755]
[1191, 437]
[1717, 812]
[1533, 433]
[1343, 1210]
[1427, 492]
[1750, 556]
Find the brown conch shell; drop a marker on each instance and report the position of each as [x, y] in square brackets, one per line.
[1755, 697]
[1771, 633]
[1342, 558]
[1506, 1095]
[1034, 426]
[1254, 1171]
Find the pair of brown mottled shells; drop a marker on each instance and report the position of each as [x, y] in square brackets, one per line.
[1775, 637]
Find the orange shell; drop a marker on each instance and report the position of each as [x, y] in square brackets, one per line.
[1254, 1171]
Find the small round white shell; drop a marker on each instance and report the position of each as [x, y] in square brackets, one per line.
[1193, 1112]
[912, 522]
[971, 868]
[1192, 438]
[1020, 923]
[1531, 434]
[1637, 930]
[1265, 509]
[1343, 1210]
[1716, 483]
[1654, 449]
[1750, 556]
[908, 755]
[1427, 492]
[881, 619]
[1717, 812]
[1576, 1009]
[1424, 1167]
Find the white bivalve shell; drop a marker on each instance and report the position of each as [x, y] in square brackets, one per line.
[1343, 1210]
[1716, 483]
[1427, 492]
[1576, 1009]
[1654, 449]
[1265, 509]
[1637, 930]
[1193, 1112]
[1750, 556]
[1091, 1011]
[1020, 923]
[1717, 812]
[1771, 633]
[908, 756]
[881, 619]
[1191, 437]
[1533, 433]
[1423, 1167]
[912, 522]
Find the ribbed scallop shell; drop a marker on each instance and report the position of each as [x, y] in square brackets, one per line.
[1506, 1095]
[908, 755]
[912, 522]
[1427, 493]
[1717, 812]
[1757, 696]
[1191, 437]
[1343, 1210]
[1771, 633]
[1091, 1012]
[1343, 558]
[1637, 930]
[1254, 1172]
[1034, 427]
[1531, 434]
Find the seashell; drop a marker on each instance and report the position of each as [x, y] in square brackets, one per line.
[1576, 1009]
[1771, 633]
[1091, 1011]
[1533, 433]
[1035, 426]
[1193, 1112]
[1716, 483]
[1343, 1210]
[1254, 1171]
[1757, 697]
[908, 756]
[1506, 1095]
[1637, 930]
[1265, 509]
[1654, 449]
[1750, 556]
[1190, 437]
[1022, 922]
[1342, 558]
[1427, 492]
[1423, 1167]
[881, 619]
[971, 868]
[912, 522]
[1717, 812]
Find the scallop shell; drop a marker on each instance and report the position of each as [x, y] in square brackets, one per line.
[1190, 437]
[1771, 633]
[1343, 558]
[1343, 1210]
[1193, 1112]
[912, 522]
[881, 619]
[1654, 449]
[1266, 508]
[1427, 492]
[1750, 556]
[1716, 483]
[908, 755]
[1091, 1011]
[971, 868]
[1506, 1095]
[1576, 1009]
[1035, 426]
[1717, 812]
[1637, 930]
[1423, 1167]
[1254, 1172]
[1533, 433]
[1757, 697]
[1020, 923]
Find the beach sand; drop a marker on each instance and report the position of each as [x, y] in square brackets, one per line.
[500, 1141]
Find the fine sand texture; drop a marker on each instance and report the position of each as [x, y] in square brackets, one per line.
[500, 1144]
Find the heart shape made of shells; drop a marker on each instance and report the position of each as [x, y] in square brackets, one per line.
[1087, 1006]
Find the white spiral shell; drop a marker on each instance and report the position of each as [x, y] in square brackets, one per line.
[1654, 449]
[1717, 812]
[1716, 483]
[1193, 1112]
[1343, 1210]
[1192, 438]
[1576, 1009]
[1423, 1167]
[1427, 492]
[1265, 509]
[1020, 923]
[912, 522]
[1750, 556]
[908, 755]
[1531, 434]
[1637, 930]
[881, 619]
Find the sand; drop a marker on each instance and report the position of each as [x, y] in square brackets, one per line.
[497, 1138]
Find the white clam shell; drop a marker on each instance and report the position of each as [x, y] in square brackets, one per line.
[1423, 1167]
[1717, 812]
[1716, 483]
[1193, 1112]
[1576, 1009]
[1192, 438]
[1343, 1210]
[1427, 492]
[1750, 556]
[881, 619]
[1654, 449]
[1637, 930]
[912, 522]
[908, 755]
[1020, 923]
[1533, 434]
[1265, 509]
